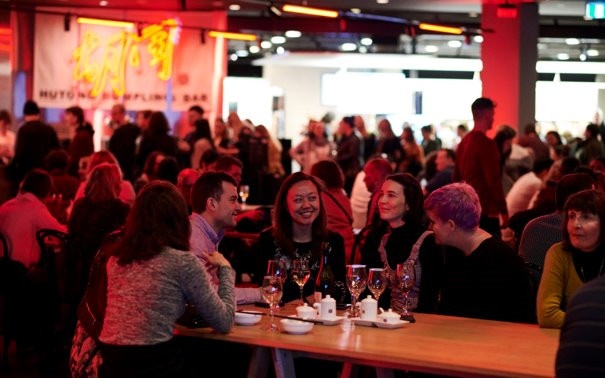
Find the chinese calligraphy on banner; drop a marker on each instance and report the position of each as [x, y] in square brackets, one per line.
[96, 66]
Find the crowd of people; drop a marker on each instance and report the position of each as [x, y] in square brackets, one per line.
[508, 228]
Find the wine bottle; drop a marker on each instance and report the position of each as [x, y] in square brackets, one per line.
[324, 282]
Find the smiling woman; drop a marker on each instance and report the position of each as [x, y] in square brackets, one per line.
[300, 231]
[579, 258]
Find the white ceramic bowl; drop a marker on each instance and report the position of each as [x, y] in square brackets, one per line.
[296, 327]
[247, 319]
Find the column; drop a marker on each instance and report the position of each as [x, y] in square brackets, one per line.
[509, 53]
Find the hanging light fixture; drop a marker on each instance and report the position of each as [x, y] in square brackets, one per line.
[310, 11]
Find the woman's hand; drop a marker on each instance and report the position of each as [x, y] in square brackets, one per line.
[216, 259]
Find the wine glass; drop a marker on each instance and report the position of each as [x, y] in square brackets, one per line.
[377, 282]
[277, 268]
[244, 192]
[300, 273]
[406, 276]
[272, 291]
[357, 280]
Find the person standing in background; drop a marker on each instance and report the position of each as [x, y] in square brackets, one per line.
[81, 144]
[348, 151]
[7, 138]
[313, 148]
[478, 164]
[35, 139]
[122, 143]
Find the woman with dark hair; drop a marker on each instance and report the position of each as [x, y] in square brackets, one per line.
[300, 231]
[81, 144]
[336, 203]
[157, 138]
[150, 278]
[93, 217]
[402, 225]
[579, 258]
[200, 142]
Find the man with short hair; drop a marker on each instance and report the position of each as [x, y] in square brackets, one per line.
[444, 164]
[122, 143]
[22, 216]
[481, 277]
[215, 206]
[478, 164]
[34, 140]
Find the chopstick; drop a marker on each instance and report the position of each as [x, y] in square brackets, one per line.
[250, 312]
[316, 321]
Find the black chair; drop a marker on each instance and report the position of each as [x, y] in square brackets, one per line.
[50, 281]
[12, 284]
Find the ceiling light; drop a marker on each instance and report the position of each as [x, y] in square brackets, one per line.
[228, 35]
[572, 41]
[583, 57]
[280, 50]
[275, 10]
[440, 28]
[355, 10]
[454, 44]
[366, 41]
[310, 11]
[102, 22]
[382, 1]
[278, 39]
[103, 3]
[233, 57]
[563, 56]
[254, 49]
[234, 7]
[293, 34]
[592, 52]
[431, 49]
[266, 45]
[478, 39]
[363, 49]
[242, 53]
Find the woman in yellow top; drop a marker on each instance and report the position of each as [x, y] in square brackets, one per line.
[579, 258]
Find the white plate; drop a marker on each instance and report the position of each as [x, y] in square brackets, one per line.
[247, 319]
[362, 322]
[397, 324]
[331, 322]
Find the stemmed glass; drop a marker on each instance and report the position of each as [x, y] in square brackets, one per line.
[406, 276]
[272, 291]
[279, 269]
[357, 280]
[244, 192]
[300, 273]
[377, 282]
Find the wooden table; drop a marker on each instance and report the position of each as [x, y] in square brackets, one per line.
[434, 344]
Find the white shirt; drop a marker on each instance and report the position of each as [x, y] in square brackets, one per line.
[20, 219]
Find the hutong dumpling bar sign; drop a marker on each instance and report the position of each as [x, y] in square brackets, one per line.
[96, 66]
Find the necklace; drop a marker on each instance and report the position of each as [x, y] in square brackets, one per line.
[599, 272]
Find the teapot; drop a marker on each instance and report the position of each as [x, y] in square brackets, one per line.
[368, 307]
[388, 316]
[306, 311]
[326, 308]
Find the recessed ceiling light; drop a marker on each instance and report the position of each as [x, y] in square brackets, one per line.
[583, 57]
[478, 39]
[363, 49]
[278, 39]
[563, 56]
[266, 44]
[431, 48]
[355, 10]
[293, 34]
[592, 52]
[348, 46]
[254, 49]
[242, 53]
[103, 3]
[572, 41]
[366, 41]
[233, 57]
[234, 7]
[382, 1]
[454, 44]
[280, 50]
